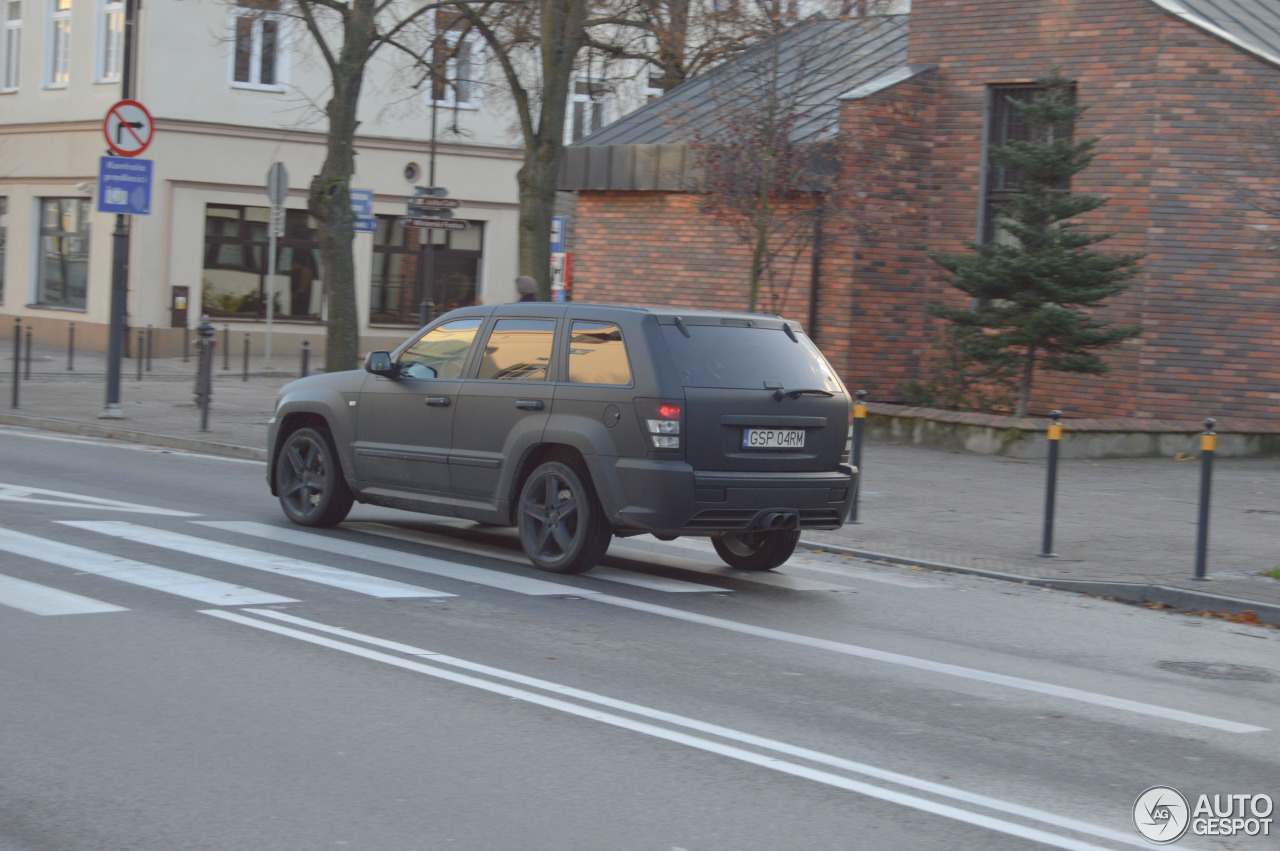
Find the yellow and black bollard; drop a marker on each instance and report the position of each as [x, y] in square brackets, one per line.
[1208, 446]
[305, 368]
[1051, 484]
[859, 422]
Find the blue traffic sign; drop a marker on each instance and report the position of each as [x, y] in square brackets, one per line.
[557, 233]
[368, 224]
[361, 201]
[124, 185]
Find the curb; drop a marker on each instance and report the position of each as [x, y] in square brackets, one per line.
[1181, 599]
[189, 444]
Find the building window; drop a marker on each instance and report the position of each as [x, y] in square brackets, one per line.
[234, 281]
[11, 48]
[64, 252]
[455, 71]
[654, 87]
[110, 49]
[400, 270]
[258, 59]
[586, 109]
[4, 227]
[1004, 125]
[58, 59]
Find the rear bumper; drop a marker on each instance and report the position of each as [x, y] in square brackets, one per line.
[671, 497]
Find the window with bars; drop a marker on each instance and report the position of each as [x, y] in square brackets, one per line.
[11, 46]
[1005, 124]
[110, 48]
[58, 56]
[63, 275]
[258, 58]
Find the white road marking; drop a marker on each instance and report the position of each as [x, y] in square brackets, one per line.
[18, 431]
[382, 555]
[321, 574]
[887, 577]
[40, 496]
[733, 752]
[42, 600]
[944, 668]
[718, 568]
[609, 574]
[209, 591]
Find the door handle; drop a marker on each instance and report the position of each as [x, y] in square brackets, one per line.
[529, 404]
[438, 401]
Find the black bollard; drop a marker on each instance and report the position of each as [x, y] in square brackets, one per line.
[245, 375]
[186, 344]
[859, 421]
[226, 347]
[141, 354]
[27, 375]
[306, 358]
[1051, 485]
[71, 347]
[1208, 446]
[204, 370]
[150, 335]
[17, 358]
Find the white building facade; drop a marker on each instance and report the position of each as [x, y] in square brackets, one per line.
[232, 89]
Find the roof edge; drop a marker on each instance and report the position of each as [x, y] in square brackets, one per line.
[1175, 8]
[886, 80]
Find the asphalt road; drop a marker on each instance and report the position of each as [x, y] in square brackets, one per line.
[189, 671]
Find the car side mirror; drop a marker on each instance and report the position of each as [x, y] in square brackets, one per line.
[380, 363]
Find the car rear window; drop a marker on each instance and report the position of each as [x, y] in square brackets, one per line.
[745, 357]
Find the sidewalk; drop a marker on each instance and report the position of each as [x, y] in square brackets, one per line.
[1124, 528]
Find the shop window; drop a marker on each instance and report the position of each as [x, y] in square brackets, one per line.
[399, 270]
[63, 275]
[234, 279]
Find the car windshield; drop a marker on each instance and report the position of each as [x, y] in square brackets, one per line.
[747, 357]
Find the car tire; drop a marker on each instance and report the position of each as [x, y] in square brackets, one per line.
[561, 524]
[756, 550]
[309, 480]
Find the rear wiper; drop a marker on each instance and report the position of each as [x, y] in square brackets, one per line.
[797, 392]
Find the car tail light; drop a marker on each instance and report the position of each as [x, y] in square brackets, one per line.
[662, 421]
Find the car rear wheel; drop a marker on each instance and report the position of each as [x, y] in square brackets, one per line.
[309, 480]
[562, 527]
[756, 550]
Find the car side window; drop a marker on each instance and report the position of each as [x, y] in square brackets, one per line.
[598, 354]
[441, 352]
[518, 350]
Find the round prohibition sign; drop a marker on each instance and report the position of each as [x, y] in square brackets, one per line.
[128, 128]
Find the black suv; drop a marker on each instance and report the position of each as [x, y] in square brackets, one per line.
[577, 422]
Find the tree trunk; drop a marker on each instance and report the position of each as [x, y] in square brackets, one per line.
[1024, 384]
[330, 200]
[563, 34]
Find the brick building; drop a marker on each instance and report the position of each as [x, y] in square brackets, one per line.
[1185, 95]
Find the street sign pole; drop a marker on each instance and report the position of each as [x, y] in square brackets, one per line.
[119, 245]
[277, 192]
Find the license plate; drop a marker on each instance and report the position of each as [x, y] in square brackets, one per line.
[773, 438]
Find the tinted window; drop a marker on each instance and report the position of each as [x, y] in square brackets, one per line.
[733, 356]
[441, 352]
[597, 354]
[518, 350]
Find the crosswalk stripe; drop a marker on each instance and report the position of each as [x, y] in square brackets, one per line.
[197, 588]
[382, 555]
[41, 600]
[687, 561]
[347, 580]
[609, 574]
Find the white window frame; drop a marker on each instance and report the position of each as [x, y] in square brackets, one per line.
[108, 56]
[475, 53]
[57, 56]
[593, 105]
[11, 47]
[255, 50]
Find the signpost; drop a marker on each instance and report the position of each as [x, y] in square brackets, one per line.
[277, 193]
[124, 187]
[433, 201]
[362, 206]
[433, 224]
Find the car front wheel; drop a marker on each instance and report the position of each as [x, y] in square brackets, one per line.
[562, 527]
[756, 550]
[309, 480]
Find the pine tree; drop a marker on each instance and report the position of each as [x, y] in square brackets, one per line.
[1032, 287]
